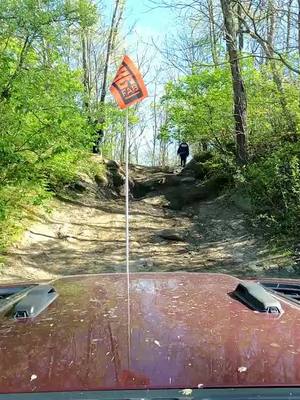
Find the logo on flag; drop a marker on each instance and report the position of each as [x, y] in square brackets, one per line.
[128, 86]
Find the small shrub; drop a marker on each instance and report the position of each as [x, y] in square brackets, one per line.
[274, 188]
[203, 156]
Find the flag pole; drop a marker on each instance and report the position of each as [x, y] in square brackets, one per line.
[127, 190]
[127, 231]
[128, 88]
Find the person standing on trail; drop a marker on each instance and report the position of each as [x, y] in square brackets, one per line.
[183, 152]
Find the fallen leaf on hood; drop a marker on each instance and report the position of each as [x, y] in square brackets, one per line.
[242, 369]
[157, 343]
[187, 392]
[33, 377]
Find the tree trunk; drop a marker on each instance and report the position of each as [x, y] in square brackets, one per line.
[212, 32]
[110, 44]
[163, 153]
[271, 28]
[299, 28]
[123, 149]
[6, 91]
[290, 119]
[288, 26]
[108, 51]
[85, 67]
[155, 125]
[240, 27]
[239, 91]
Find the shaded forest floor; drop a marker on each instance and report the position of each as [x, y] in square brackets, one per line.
[85, 234]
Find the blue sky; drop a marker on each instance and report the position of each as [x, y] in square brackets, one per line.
[149, 22]
[149, 25]
[153, 21]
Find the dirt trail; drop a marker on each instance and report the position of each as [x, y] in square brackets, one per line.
[86, 235]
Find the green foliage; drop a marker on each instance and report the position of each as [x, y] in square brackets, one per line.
[16, 204]
[203, 156]
[267, 121]
[199, 109]
[114, 127]
[210, 164]
[44, 136]
[273, 185]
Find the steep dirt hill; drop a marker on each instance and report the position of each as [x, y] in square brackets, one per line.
[175, 225]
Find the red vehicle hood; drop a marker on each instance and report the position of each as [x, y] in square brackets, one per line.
[184, 331]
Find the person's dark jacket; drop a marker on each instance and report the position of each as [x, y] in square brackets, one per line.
[183, 150]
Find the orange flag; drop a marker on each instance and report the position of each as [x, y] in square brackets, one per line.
[128, 86]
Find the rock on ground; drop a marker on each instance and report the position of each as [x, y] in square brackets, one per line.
[171, 234]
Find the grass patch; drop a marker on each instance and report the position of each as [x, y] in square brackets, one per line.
[21, 201]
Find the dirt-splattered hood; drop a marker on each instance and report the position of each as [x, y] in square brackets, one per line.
[183, 331]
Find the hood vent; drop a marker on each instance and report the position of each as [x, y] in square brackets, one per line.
[257, 298]
[36, 300]
[291, 291]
